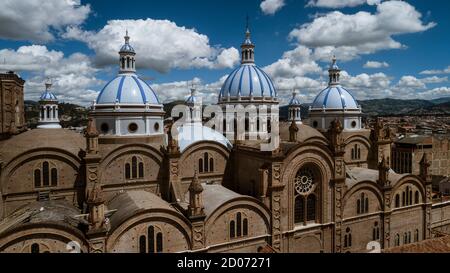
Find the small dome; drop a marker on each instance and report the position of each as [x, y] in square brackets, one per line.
[248, 80]
[127, 48]
[191, 133]
[294, 100]
[47, 95]
[335, 97]
[127, 89]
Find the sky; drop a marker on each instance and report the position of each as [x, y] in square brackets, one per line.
[394, 49]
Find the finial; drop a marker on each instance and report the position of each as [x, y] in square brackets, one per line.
[48, 84]
[294, 92]
[127, 38]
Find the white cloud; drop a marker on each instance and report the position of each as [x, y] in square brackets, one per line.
[297, 62]
[435, 93]
[434, 79]
[350, 35]
[436, 72]
[74, 76]
[374, 64]
[180, 90]
[410, 82]
[271, 6]
[340, 3]
[160, 44]
[35, 20]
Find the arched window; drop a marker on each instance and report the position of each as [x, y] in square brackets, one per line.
[358, 206]
[141, 170]
[37, 178]
[306, 196]
[348, 237]
[127, 171]
[376, 232]
[159, 242]
[54, 176]
[407, 196]
[205, 160]
[405, 238]
[134, 167]
[403, 199]
[397, 200]
[299, 209]
[200, 165]
[359, 153]
[311, 208]
[128, 62]
[397, 240]
[35, 248]
[409, 237]
[245, 227]
[206, 164]
[416, 197]
[45, 173]
[151, 239]
[410, 197]
[123, 63]
[416, 235]
[232, 229]
[211, 164]
[238, 225]
[366, 205]
[362, 204]
[142, 244]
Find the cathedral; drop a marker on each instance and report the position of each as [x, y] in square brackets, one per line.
[128, 184]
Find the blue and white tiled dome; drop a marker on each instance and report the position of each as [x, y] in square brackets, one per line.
[294, 100]
[127, 89]
[47, 95]
[335, 97]
[246, 81]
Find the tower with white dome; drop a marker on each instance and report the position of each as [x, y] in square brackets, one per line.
[294, 109]
[48, 115]
[127, 105]
[335, 102]
[248, 85]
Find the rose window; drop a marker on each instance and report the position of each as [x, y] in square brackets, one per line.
[304, 181]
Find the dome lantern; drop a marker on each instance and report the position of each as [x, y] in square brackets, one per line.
[48, 103]
[334, 73]
[294, 108]
[127, 57]
[247, 48]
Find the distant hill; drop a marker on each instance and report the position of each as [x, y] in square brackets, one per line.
[441, 100]
[387, 107]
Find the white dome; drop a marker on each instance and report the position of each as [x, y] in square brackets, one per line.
[191, 133]
[335, 97]
[127, 89]
[246, 81]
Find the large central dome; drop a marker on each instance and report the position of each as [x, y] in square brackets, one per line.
[248, 82]
[127, 89]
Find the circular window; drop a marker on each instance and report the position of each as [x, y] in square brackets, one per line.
[304, 181]
[353, 124]
[156, 127]
[104, 128]
[315, 124]
[132, 128]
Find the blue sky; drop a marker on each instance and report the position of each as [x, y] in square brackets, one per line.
[392, 48]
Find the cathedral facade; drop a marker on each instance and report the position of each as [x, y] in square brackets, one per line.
[128, 184]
